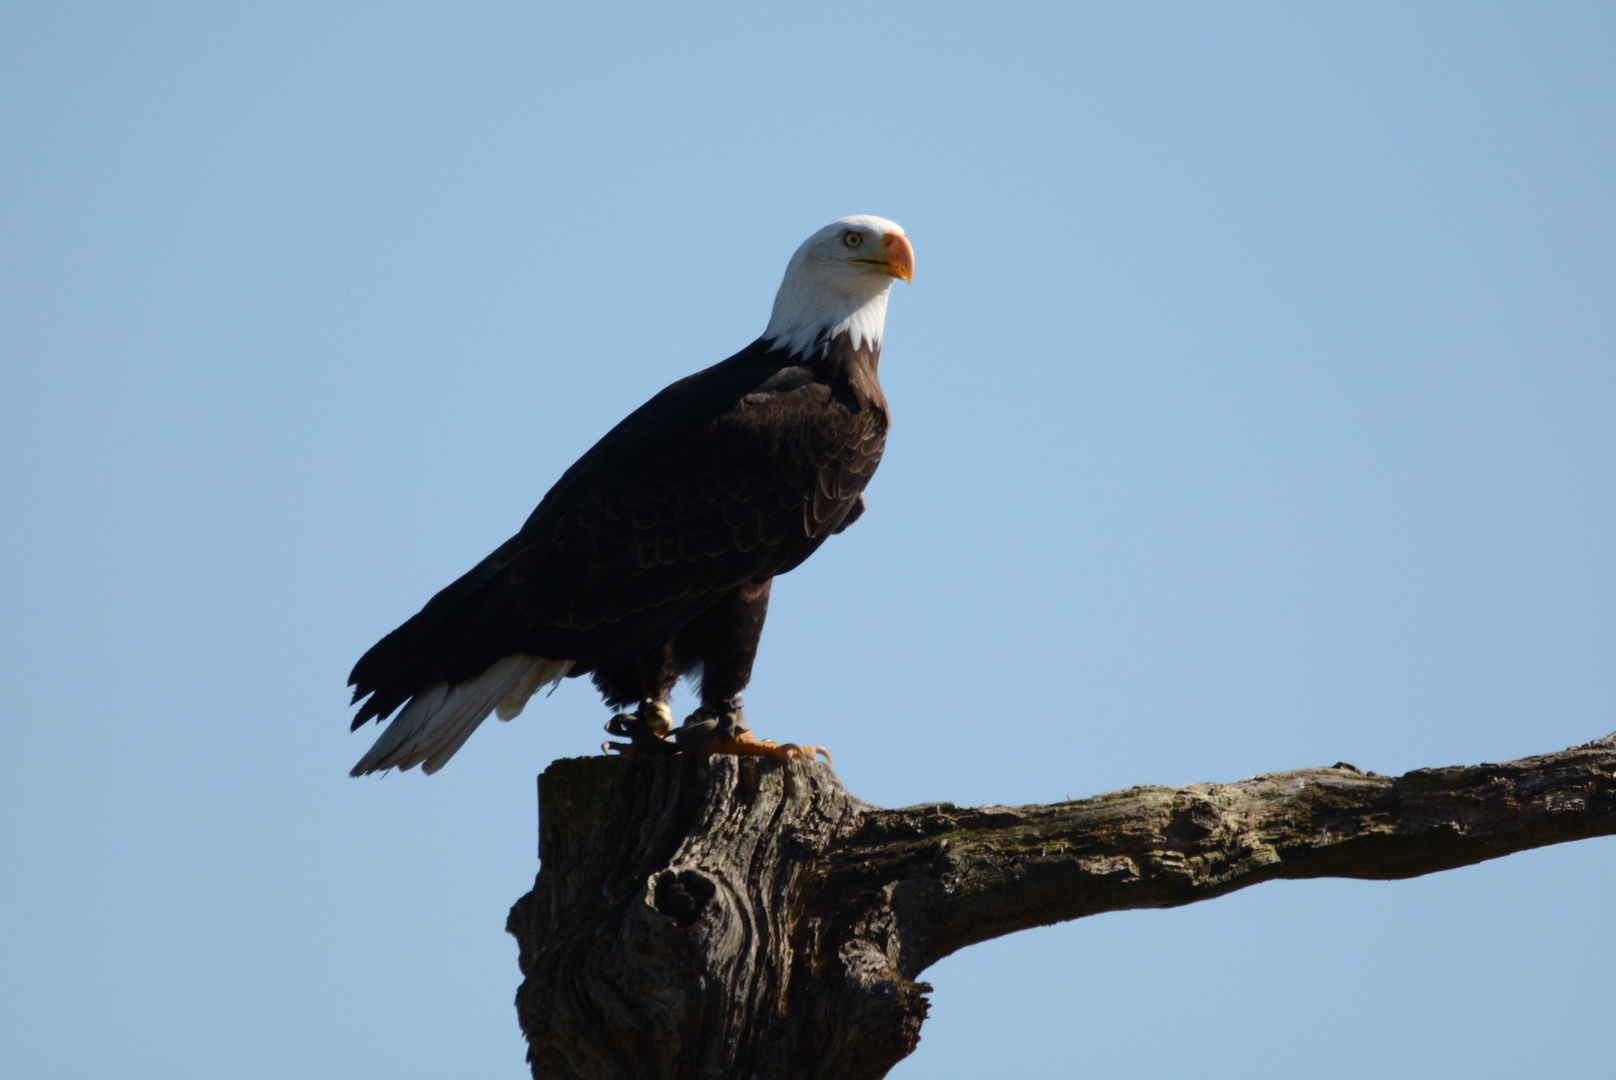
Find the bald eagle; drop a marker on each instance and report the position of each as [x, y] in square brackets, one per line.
[651, 558]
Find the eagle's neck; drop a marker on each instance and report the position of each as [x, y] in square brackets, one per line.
[812, 309]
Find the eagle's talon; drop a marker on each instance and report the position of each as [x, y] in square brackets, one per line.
[806, 753]
[746, 744]
[642, 736]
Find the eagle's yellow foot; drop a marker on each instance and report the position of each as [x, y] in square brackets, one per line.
[747, 744]
[722, 729]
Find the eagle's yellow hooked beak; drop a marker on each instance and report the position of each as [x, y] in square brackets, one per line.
[897, 258]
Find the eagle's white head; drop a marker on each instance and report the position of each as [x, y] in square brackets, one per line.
[838, 280]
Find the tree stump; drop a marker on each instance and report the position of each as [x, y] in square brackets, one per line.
[722, 917]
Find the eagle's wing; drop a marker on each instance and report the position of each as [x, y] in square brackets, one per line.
[719, 480]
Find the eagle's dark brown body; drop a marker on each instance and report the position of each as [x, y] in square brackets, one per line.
[652, 556]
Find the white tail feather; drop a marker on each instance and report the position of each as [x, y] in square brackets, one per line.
[436, 722]
[541, 673]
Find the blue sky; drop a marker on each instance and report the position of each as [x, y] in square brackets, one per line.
[1252, 409]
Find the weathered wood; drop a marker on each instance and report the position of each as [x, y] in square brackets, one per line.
[699, 918]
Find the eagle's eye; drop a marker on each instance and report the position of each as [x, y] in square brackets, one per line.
[852, 239]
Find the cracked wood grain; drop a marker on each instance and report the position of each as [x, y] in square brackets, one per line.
[718, 917]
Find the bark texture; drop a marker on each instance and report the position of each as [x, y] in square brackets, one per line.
[724, 917]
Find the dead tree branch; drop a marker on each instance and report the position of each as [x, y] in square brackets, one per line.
[729, 918]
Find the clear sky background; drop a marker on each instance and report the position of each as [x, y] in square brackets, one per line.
[1253, 409]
